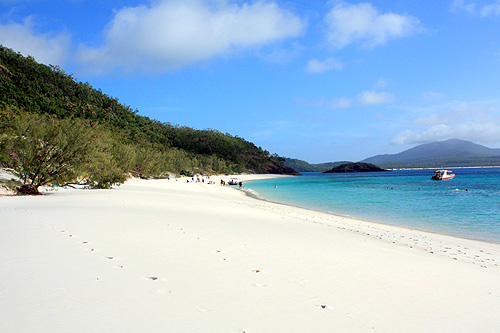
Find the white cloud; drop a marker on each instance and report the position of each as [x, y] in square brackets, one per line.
[171, 34]
[317, 66]
[45, 48]
[484, 8]
[461, 5]
[365, 98]
[334, 104]
[432, 96]
[491, 9]
[340, 103]
[382, 83]
[463, 121]
[363, 23]
[328, 104]
[373, 98]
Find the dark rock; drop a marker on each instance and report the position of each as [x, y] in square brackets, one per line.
[355, 167]
[273, 167]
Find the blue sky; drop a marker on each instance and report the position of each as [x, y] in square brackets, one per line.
[316, 80]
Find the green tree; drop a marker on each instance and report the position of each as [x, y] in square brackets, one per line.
[52, 152]
[4, 155]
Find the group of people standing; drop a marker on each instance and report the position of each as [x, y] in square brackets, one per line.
[223, 183]
[201, 179]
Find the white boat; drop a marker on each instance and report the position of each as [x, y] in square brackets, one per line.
[443, 175]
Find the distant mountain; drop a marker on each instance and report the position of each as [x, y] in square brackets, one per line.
[303, 166]
[453, 152]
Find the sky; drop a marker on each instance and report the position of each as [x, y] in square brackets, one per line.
[316, 80]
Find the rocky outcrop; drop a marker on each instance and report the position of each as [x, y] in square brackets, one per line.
[276, 168]
[355, 167]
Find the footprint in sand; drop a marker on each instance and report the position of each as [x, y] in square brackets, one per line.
[203, 309]
[162, 291]
[153, 278]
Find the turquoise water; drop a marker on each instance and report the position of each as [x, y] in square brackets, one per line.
[466, 206]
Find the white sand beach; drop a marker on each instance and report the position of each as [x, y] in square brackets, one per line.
[172, 256]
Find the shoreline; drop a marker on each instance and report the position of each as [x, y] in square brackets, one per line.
[191, 257]
[255, 195]
[454, 234]
[384, 231]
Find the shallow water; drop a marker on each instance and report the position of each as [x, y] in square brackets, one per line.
[466, 206]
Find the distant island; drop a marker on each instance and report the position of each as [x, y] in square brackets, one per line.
[303, 166]
[355, 167]
[439, 154]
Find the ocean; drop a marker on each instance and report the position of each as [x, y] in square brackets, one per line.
[467, 206]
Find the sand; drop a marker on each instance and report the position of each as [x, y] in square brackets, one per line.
[172, 256]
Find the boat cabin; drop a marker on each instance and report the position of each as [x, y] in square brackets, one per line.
[443, 175]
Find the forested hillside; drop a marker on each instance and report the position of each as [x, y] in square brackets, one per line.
[303, 166]
[32, 92]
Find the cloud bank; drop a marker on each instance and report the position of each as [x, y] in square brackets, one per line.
[172, 34]
[463, 121]
[483, 9]
[362, 23]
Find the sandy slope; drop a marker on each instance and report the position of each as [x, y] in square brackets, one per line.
[167, 256]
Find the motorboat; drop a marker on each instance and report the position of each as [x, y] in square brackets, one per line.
[443, 175]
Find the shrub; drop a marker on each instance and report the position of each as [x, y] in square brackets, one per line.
[55, 152]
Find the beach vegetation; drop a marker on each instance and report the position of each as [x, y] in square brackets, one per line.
[303, 166]
[120, 142]
[49, 151]
[4, 155]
